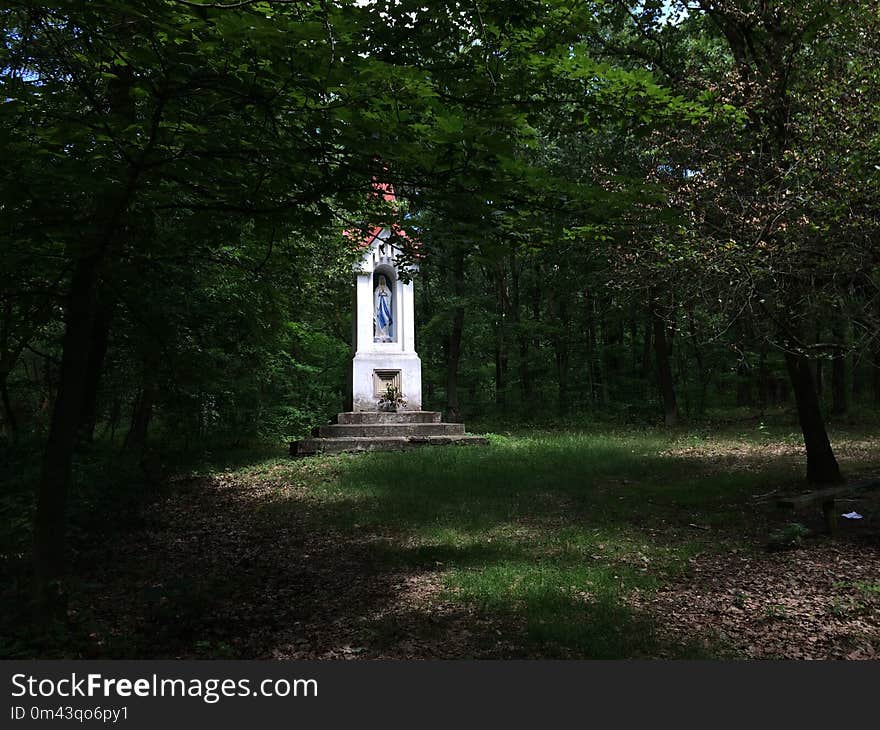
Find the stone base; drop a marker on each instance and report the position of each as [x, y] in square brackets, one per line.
[383, 431]
[363, 366]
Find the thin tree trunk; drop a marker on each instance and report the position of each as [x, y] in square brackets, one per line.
[500, 373]
[839, 393]
[635, 345]
[822, 467]
[97, 354]
[136, 439]
[612, 338]
[522, 339]
[593, 360]
[6, 368]
[559, 306]
[664, 370]
[11, 423]
[647, 346]
[453, 349]
[562, 361]
[113, 417]
[704, 373]
[839, 370]
[537, 316]
[765, 394]
[743, 372]
[876, 374]
[501, 341]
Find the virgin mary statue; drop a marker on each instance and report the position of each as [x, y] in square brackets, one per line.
[383, 319]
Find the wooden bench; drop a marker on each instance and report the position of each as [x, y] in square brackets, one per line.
[827, 497]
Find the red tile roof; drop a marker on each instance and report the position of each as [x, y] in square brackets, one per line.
[363, 240]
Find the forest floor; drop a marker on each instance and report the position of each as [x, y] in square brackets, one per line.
[629, 543]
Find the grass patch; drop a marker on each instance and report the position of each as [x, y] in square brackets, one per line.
[550, 532]
[546, 539]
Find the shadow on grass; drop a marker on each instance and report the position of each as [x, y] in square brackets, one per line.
[528, 548]
[550, 534]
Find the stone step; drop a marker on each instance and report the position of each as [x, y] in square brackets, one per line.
[376, 430]
[308, 447]
[386, 417]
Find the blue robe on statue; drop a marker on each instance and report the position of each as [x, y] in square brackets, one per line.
[383, 313]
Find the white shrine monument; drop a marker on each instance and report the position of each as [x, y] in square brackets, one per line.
[383, 329]
[385, 380]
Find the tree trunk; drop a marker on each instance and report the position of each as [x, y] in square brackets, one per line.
[876, 373]
[743, 384]
[647, 346]
[113, 419]
[562, 375]
[97, 353]
[664, 370]
[765, 386]
[54, 484]
[142, 414]
[537, 300]
[522, 338]
[49, 520]
[612, 339]
[704, 373]
[839, 393]
[501, 340]
[594, 368]
[839, 369]
[11, 423]
[559, 307]
[634, 343]
[744, 396]
[500, 373]
[822, 467]
[6, 368]
[453, 348]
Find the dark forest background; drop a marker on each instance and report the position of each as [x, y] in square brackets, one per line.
[647, 212]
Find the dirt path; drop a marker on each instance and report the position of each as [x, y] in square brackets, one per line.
[821, 601]
[235, 569]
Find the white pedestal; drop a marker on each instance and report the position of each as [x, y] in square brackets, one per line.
[364, 366]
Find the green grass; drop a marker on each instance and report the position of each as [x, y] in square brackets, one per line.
[549, 532]
[548, 535]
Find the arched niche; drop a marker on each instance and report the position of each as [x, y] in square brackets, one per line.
[385, 304]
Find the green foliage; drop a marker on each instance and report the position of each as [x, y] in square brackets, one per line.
[391, 399]
[606, 201]
[788, 537]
